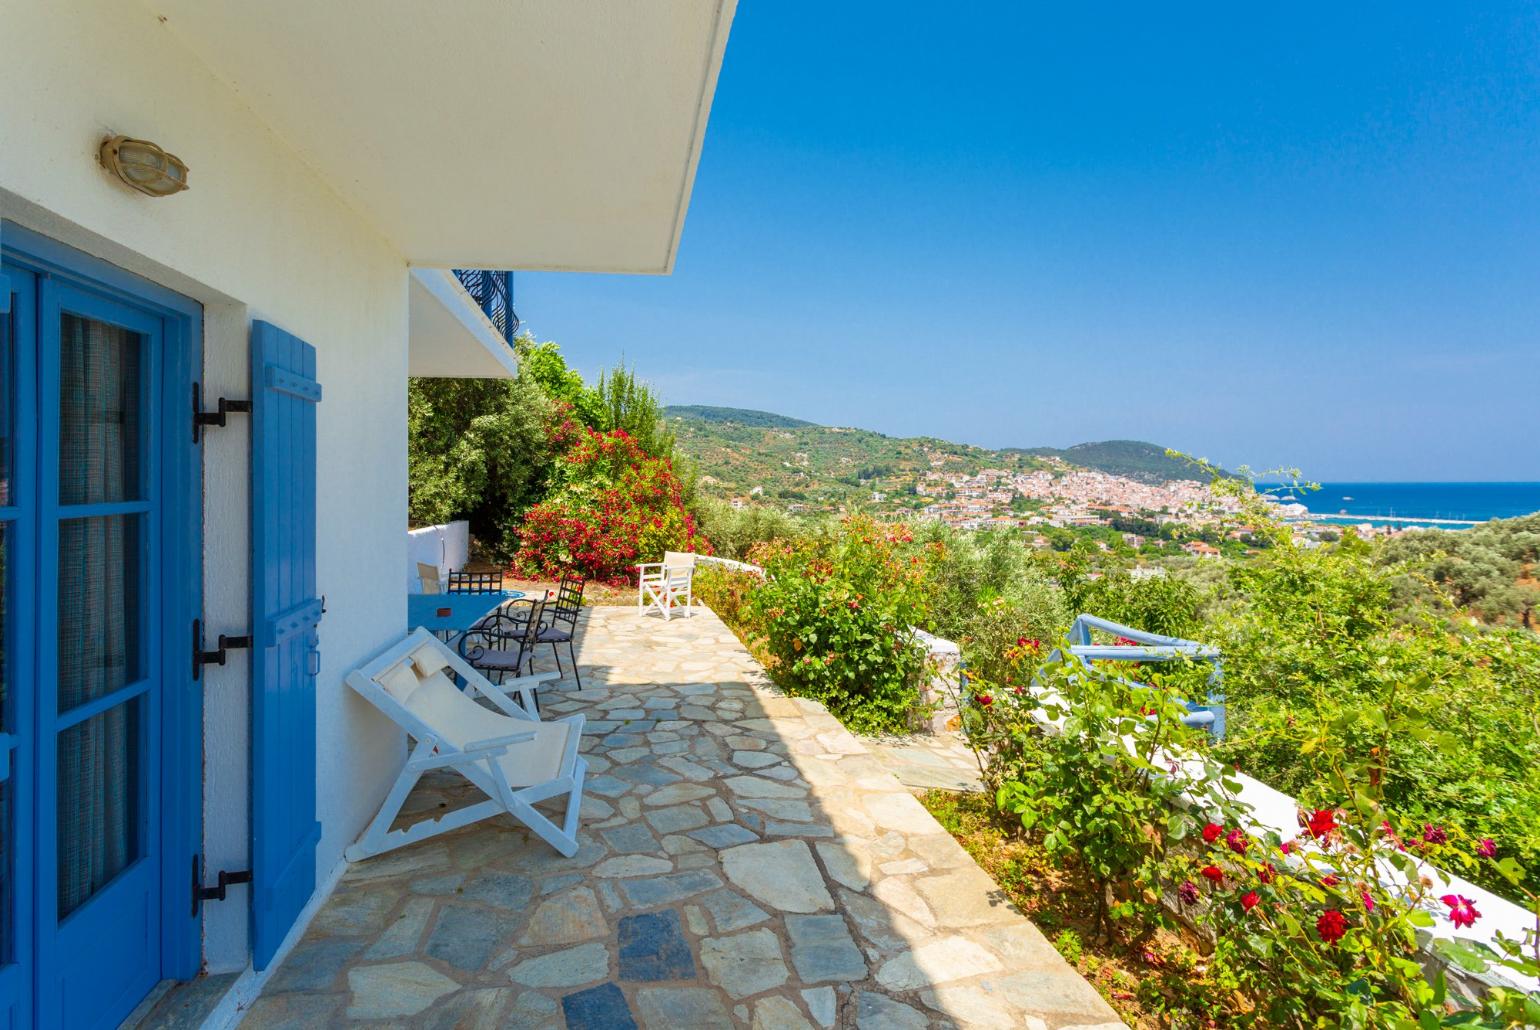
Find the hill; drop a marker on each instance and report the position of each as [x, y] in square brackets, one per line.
[738, 416]
[794, 461]
[1135, 459]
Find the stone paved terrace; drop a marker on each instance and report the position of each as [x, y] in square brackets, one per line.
[744, 861]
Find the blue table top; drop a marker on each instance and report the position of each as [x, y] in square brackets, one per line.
[465, 610]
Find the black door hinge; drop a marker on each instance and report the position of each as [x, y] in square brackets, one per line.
[218, 892]
[218, 417]
[217, 656]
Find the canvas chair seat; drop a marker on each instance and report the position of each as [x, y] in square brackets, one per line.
[461, 722]
[505, 751]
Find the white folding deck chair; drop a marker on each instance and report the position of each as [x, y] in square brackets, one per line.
[664, 584]
[509, 754]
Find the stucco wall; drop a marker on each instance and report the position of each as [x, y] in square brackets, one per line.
[257, 236]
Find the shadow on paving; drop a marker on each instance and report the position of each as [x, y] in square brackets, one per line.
[743, 861]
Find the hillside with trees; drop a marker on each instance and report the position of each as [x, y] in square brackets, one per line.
[827, 468]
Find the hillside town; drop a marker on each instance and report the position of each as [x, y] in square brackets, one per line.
[1066, 497]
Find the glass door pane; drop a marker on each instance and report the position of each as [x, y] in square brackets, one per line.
[101, 631]
[99, 411]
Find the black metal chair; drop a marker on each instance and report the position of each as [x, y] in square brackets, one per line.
[475, 582]
[562, 629]
[504, 642]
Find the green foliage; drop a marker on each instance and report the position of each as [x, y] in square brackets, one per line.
[1317, 640]
[1489, 569]
[478, 449]
[619, 401]
[733, 532]
[726, 591]
[1168, 604]
[627, 404]
[836, 613]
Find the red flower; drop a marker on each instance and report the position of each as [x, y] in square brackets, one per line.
[1331, 926]
[1188, 892]
[1434, 834]
[1249, 900]
[983, 700]
[1330, 880]
[1368, 901]
[1323, 821]
[1286, 847]
[1213, 874]
[1212, 832]
[1265, 874]
[1462, 910]
[1487, 848]
[1237, 841]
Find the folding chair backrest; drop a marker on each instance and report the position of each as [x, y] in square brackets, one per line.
[428, 574]
[679, 560]
[411, 684]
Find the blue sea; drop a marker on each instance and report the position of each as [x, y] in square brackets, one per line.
[1411, 503]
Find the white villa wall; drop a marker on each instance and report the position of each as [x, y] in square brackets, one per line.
[446, 546]
[257, 236]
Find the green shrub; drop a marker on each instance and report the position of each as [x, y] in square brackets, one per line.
[734, 532]
[837, 612]
[726, 592]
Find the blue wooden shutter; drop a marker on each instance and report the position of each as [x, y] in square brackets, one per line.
[286, 611]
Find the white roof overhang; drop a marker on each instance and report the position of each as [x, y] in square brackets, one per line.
[505, 134]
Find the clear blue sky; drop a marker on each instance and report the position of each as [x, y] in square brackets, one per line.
[1309, 236]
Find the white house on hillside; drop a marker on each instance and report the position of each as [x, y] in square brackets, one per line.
[340, 159]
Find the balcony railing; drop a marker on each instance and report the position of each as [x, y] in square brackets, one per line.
[493, 294]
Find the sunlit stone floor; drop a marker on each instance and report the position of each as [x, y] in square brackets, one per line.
[744, 861]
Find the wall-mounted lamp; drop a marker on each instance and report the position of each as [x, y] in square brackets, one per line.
[143, 165]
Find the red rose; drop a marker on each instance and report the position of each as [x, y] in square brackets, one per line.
[1237, 841]
[1188, 892]
[1322, 822]
[1250, 900]
[1462, 911]
[1213, 874]
[1487, 848]
[1331, 926]
[1212, 832]
[984, 700]
[1330, 880]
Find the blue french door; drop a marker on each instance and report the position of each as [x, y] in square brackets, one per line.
[95, 513]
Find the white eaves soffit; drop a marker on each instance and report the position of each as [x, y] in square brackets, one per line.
[448, 336]
[523, 134]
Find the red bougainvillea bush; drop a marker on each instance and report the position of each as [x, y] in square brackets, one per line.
[615, 506]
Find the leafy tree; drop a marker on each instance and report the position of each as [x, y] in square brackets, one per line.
[481, 450]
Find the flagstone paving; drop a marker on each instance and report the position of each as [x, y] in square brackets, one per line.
[744, 861]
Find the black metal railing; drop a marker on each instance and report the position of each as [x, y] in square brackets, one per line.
[493, 294]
